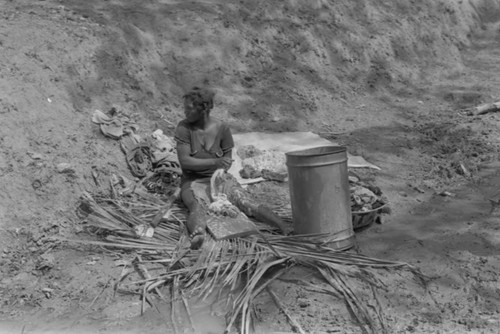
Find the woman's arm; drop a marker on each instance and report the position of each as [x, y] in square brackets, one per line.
[227, 144]
[191, 163]
[227, 159]
[195, 164]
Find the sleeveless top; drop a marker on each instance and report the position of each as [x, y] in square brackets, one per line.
[186, 134]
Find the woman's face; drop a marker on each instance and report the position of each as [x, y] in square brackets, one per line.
[192, 114]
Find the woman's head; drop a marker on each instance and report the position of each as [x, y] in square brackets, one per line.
[197, 103]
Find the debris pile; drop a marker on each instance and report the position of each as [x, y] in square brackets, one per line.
[246, 265]
[268, 164]
[152, 159]
[271, 165]
[114, 124]
[367, 203]
[365, 196]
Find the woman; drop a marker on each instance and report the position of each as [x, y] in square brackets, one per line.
[204, 144]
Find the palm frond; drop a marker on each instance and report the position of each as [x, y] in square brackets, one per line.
[239, 268]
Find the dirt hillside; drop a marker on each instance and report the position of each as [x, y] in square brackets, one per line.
[394, 81]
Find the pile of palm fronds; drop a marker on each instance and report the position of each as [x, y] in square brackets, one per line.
[238, 269]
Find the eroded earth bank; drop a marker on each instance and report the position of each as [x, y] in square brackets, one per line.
[396, 82]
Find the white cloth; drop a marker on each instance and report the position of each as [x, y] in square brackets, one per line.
[285, 142]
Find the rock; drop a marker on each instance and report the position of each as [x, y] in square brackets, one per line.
[46, 261]
[36, 156]
[23, 279]
[272, 160]
[353, 179]
[248, 172]
[37, 184]
[6, 281]
[248, 151]
[274, 176]
[303, 303]
[65, 168]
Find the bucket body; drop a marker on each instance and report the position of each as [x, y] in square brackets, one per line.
[319, 192]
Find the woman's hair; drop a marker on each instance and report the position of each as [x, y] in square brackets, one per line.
[202, 98]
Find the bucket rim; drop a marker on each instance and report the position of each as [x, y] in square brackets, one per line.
[317, 151]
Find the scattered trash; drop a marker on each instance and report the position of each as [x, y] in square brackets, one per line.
[163, 149]
[162, 142]
[47, 292]
[93, 260]
[114, 126]
[367, 203]
[163, 180]
[122, 263]
[485, 108]
[418, 189]
[462, 170]
[144, 231]
[138, 158]
[447, 193]
[156, 155]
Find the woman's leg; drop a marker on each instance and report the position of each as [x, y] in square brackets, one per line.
[242, 199]
[196, 220]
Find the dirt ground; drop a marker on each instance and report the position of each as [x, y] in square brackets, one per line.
[394, 82]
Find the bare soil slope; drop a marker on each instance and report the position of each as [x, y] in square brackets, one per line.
[391, 80]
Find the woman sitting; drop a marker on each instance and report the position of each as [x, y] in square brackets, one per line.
[204, 145]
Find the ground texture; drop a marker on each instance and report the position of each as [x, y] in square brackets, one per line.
[396, 82]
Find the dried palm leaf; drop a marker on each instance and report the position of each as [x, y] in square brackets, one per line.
[240, 268]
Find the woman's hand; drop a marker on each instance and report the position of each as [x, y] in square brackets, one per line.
[224, 163]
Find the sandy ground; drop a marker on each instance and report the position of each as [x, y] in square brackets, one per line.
[393, 82]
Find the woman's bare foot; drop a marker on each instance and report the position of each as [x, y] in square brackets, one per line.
[197, 238]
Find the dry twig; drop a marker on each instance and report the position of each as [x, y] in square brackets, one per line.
[283, 309]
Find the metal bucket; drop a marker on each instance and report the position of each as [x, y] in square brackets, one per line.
[319, 191]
